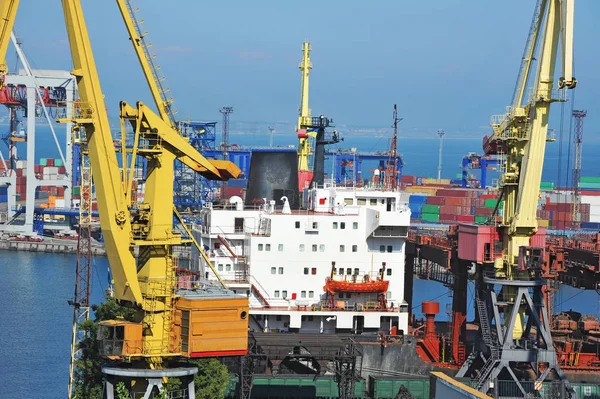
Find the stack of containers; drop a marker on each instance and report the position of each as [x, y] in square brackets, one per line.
[589, 183]
[415, 203]
[430, 211]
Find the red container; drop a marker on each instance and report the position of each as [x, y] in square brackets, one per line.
[483, 211]
[19, 172]
[447, 218]
[60, 191]
[409, 179]
[435, 200]
[50, 162]
[454, 201]
[62, 170]
[465, 218]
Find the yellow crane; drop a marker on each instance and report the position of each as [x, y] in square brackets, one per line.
[139, 238]
[304, 118]
[522, 132]
[514, 288]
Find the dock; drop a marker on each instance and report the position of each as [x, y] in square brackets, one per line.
[49, 245]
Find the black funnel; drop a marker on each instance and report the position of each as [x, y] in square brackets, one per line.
[271, 176]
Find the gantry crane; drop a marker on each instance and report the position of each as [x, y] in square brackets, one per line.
[169, 324]
[520, 135]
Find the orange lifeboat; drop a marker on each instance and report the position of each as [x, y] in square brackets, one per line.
[332, 286]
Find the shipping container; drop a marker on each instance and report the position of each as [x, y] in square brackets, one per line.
[430, 217]
[435, 200]
[389, 387]
[428, 208]
[589, 179]
[58, 162]
[417, 199]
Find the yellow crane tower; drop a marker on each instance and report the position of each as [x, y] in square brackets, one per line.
[169, 324]
[304, 118]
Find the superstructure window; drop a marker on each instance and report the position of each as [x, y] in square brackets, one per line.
[273, 270]
[276, 294]
[389, 248]
[355, 225]
[301, 247]
[342, 225]
[314, 247]
[382, 248]
[313, 270]
[355, 248]
[373, 201]
[342, 248]
[267, 247]
[306, 270]
[228, 267]
[302, 294]
[315, 225]
[297, 224]
[389, 272]
[281, 270]
[335, 225]
[260, 247]
[322, 248]
[311, 294]
[356, 271]
[349, 271]
[349, 201]
[220, 267]
[341, 271]
[284, 294]
[280, 247]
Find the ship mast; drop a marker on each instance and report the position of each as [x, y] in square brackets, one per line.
[392, 167]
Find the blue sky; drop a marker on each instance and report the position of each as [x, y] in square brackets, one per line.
[447, 64]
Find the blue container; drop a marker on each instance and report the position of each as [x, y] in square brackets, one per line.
[415, 208]
[417, 199]
[3, 198]
[238, 183]
[3, 190]
[419, 181]
[590, 225]
[415, 215]
[456, 181]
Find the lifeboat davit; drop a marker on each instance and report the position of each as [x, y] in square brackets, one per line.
[333, 286]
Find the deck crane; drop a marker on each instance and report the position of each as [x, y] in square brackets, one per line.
[520, 134]
[304, 119]
[169, 324]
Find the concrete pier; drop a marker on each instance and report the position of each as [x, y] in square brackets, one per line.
[49, 245]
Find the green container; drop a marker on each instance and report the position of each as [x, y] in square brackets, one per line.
[43, 161]
[76, 190]
[459, 175]
[547, 185]
[481, 219]
[388, 387]
[491, 203]
[430, 217]
[427, 208]
[589, 179]
[593, 186]
[58, 162]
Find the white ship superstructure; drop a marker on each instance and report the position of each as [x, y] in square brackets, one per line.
[282, 259]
